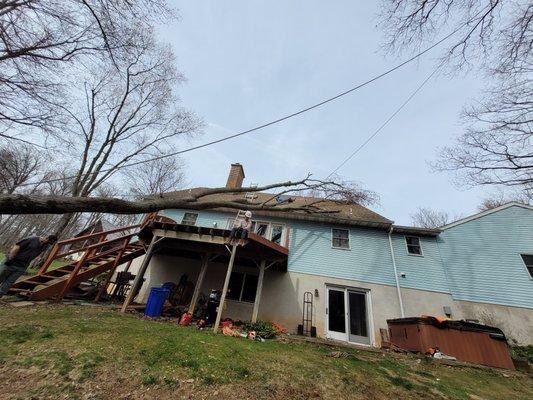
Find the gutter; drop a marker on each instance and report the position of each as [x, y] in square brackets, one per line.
[398, 290]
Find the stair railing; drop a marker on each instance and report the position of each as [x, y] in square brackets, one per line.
[63, 248]
[93, 252]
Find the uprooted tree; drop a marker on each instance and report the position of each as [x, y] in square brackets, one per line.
[326, 195]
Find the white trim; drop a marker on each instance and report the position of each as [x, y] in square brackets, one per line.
[419, 245]
[525, 265]
[349, 241]
[369, 315]
[487, 212]
[395, 269]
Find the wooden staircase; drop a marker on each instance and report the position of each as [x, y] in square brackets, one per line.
[97, 253]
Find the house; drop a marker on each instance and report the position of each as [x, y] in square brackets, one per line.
[357, 267]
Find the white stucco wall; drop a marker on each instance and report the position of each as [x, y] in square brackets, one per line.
[165, 268]
[282, 299]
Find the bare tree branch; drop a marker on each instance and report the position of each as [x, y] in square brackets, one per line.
[196, 200]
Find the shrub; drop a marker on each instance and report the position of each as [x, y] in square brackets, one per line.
[522, 352]
[262, 328]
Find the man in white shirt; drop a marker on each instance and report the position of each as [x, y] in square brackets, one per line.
[241, 227]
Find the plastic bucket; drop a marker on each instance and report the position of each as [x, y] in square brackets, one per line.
[156, 300]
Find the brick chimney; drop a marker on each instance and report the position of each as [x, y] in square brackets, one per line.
[236, 176]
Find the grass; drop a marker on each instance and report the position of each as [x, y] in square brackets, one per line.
[57, 351]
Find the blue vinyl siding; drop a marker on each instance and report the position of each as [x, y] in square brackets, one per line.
[482, 258]
[205, 218]
[368, 258]
[478, 260]
[424, 272]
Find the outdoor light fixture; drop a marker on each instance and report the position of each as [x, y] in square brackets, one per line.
[316, 292]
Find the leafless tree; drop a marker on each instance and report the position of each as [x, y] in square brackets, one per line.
[127, 111]
[496, 147]
[18, 165]
[500, 198]
[497, 31]
[428, 218]
[199, 199]
[156, 177]
[40, 40]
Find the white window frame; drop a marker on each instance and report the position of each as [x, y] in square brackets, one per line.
[527, 265]
[419, 245]
[269, 224]
[245, 274]
[190, 213]
[349, 241]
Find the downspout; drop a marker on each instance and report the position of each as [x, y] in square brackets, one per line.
[396, 273]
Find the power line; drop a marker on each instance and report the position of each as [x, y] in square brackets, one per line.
[273, 122]
[384, 124]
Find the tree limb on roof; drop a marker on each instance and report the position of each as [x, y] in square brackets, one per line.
[195, 200]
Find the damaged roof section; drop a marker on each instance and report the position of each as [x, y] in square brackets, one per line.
[330, 211]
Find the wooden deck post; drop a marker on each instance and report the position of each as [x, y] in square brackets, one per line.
[255, 311]
[225, 288]
[199, 282]
[140, 274]
[116, 263]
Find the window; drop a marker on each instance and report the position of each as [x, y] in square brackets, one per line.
[242, 287]
[261, 228]
[340, 238]
[189, 218]
[270, 231]
[413, 245]
[277, 231]
[528, 260]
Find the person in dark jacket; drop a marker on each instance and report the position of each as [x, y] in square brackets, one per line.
[19, 258]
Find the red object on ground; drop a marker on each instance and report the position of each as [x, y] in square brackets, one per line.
[227, 322]
[186, 319]
[466, 341]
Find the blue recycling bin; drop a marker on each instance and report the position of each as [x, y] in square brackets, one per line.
[156, 300]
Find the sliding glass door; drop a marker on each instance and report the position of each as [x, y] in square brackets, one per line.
[347, 315]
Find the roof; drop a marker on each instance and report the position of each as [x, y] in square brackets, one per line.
[335, 212]
[487, 212]
[415, 230]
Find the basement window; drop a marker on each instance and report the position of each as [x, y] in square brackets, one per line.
[340, 238]
[189, 218]
[413, 245]
[528, 260]
[242, 287]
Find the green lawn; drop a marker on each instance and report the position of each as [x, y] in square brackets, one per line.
[58, 351]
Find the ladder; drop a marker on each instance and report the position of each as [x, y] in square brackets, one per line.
[250, 195]
[239, 217]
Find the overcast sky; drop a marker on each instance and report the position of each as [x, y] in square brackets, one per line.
[248, 62]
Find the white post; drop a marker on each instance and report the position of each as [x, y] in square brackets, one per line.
[225, 288]
[140, 274]
[255, 311]
[199, 282]
[398, 290]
